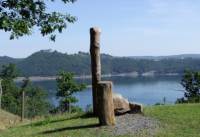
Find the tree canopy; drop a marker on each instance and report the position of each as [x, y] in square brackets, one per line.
[191, 83]
[9, 71]
[19, 17]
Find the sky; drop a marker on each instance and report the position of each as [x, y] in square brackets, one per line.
[128, 28]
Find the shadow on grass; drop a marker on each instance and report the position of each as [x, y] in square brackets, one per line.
[47, 121]
[84, 116]
[70, 128]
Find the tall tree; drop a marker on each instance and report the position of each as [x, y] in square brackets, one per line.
[66, 87]
[19, 17]
[11, 93]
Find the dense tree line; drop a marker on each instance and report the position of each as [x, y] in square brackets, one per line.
[35, 98]
[48, 63]
[29, 101]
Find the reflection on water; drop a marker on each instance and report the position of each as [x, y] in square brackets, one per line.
[145, 90]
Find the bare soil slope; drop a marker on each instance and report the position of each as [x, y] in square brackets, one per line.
[8, 120]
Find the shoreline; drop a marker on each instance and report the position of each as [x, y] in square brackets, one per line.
[134, 75]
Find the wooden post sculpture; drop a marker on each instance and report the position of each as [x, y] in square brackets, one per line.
[105, 103]
[95, 64]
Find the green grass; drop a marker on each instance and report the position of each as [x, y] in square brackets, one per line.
[176, 121]
[74, 125]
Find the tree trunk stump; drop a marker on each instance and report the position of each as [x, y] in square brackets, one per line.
[105, 103]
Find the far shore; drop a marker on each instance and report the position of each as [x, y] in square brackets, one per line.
[135, 74]
[44, 78]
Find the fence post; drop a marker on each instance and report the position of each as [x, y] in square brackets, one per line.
[22, 107]
[1, 92]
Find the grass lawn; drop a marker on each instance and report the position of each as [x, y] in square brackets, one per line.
[176, 121]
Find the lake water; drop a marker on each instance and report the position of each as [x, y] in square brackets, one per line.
[145, 90]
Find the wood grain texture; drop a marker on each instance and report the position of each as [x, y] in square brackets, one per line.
[95, 63]
[105, 103]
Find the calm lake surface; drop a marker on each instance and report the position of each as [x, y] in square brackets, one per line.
[145, 90]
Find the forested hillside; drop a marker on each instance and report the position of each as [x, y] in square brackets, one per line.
[49, 63]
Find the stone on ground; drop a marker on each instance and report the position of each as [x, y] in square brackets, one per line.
[123, 106]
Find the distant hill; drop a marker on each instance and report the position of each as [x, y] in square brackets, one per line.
[49, 63]
[5, 60]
